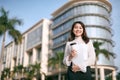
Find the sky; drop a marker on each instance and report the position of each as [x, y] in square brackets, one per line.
[32, 11]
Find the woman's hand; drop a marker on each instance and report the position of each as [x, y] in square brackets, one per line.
[75, 68]
[72, 54]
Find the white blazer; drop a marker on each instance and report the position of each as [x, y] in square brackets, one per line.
[85, 54]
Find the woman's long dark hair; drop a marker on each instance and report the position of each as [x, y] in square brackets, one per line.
[84, 35]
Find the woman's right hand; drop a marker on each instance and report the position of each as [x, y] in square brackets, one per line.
[72, 54]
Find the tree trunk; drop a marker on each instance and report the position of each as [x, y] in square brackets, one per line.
[59, 75]
[2, 48]
[96, 70]
[2, 53]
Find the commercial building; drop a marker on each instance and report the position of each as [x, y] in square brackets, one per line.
[34, 48]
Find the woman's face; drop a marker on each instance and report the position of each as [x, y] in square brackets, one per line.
[77, 30]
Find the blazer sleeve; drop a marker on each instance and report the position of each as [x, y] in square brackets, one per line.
[91, 54]
[66, 55]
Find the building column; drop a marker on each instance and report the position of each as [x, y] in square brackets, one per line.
[113, 75]
[34, 55]
[102, 74]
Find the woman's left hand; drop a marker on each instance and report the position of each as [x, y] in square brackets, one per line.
[75, 68]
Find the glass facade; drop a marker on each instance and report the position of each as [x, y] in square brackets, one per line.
[63, 16]
[98, 32]
[91, 9]
[94, 20]
[60, 39]
[34, 37]
[62, 28]
[59, 49]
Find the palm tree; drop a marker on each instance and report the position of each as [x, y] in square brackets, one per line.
[29, 71]
[32, 70]
[37, 67]
[6, 73]
[98, 51]
[8, 26]
[56, 62]
[18, 70]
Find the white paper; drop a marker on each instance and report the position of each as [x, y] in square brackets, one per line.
[79, 58]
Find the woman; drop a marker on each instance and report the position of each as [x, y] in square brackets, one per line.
[79, 53]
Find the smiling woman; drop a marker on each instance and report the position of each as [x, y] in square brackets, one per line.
[79, 53]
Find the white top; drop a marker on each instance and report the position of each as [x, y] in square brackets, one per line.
[85, 54]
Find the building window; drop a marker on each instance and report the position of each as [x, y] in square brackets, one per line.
[63, 16]
[34, 37]
[38, 54]
[59, 49]
[14, 59]
[61, 39]
[89, 9]
[30, 57]
[63, 27]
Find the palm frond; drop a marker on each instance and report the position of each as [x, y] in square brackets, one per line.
[3, 12]
[2, 30]
[13, 22]
[60, 57]
[97, 44]
[37, 66]
[16, 35]
[105, 53]
[4, 17]
[98, 51]
[52, 61]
